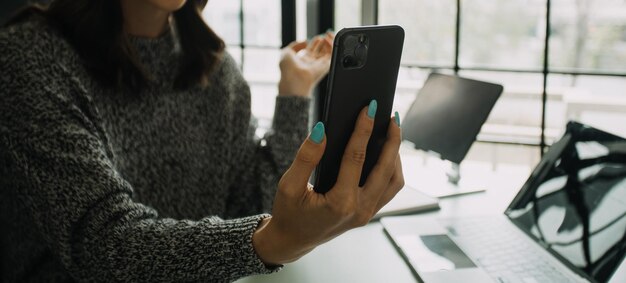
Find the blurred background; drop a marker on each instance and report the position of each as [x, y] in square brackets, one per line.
[506, 42]
[558, 60]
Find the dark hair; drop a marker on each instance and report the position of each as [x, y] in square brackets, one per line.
[95, 29]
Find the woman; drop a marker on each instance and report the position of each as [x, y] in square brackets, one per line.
[127, 155]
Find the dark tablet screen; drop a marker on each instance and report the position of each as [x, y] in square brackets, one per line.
[448, 113]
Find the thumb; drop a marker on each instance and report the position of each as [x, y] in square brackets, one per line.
[309, 155]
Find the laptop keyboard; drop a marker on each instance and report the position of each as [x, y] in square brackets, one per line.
[495, 246]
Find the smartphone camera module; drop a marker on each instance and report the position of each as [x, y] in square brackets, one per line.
[354, 53]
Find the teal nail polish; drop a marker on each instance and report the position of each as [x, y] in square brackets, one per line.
[371, 110]
[397, 119]
[317, 135]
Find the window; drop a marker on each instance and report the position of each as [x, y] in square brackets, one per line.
[252, 32]
[429, 29]
[583, 78]
[348, 13]
[502, 34]
[588, 35]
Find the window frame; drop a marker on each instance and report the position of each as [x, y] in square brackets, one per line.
[369, 16]
[321, 17]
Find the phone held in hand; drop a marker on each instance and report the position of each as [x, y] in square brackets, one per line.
[364, 66]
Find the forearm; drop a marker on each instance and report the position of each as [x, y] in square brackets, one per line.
[289, 129]
[102, 235]
[147, 249]
[84, 213]
[258, 169]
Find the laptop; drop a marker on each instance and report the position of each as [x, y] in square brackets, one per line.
[567, 223]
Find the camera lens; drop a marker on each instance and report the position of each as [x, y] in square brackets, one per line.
[349, 61]
[350, 42]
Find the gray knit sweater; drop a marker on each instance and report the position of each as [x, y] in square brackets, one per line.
[103, 186]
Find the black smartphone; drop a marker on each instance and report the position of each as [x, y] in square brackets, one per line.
[364, 66]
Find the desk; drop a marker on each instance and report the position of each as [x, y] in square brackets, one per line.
[366, 255]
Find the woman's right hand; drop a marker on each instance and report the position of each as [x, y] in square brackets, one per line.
[303, 219]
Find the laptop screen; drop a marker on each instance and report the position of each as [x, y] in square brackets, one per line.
[574, 203]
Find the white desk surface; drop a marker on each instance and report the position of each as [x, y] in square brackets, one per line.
[366, 255]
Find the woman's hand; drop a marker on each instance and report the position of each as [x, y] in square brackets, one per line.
[303, 219]
[304, 64]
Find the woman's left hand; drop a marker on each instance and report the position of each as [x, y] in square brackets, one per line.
[304, 64]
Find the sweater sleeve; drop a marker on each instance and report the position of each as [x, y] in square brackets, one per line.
[258, 168]
[79, 203]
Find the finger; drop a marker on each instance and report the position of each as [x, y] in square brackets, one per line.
[321, 44]
[324, 50]
[292, 48]
[314, 47]
[307, 158]
[354, 155]
[310, 43]
[395, 185]
[328, 49]
[328, 43]
[385, 167]
[296, 45]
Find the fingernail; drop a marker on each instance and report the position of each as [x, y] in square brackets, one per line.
[329, 30]
[317, 134]
[397, 119]
[371, 109]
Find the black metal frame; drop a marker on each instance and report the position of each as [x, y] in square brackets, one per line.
[288, 21]
[545, 72]
[242, 36]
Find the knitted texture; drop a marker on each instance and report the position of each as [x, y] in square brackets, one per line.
[104, 185]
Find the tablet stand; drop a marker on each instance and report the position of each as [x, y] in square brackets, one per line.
[454, 174]
[451, 186]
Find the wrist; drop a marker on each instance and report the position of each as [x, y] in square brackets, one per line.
[272, 246]
[287, 87]
[269, 245]
[260, 242]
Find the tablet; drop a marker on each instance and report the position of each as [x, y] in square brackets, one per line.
[448, 113]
